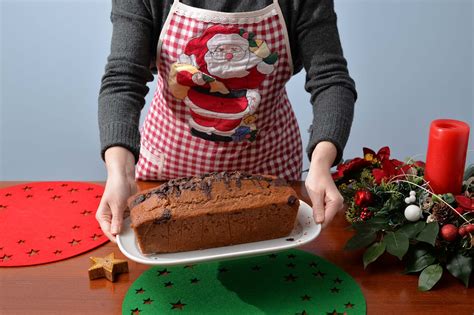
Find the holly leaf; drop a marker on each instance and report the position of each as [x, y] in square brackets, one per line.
[419, 257]
[429, 233]
[429, 277]
[412, 229]
[397, 244]
[373, 252]
[360, 240]
[460, 266]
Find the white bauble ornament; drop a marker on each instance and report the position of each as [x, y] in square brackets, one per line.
[407, 200]
[412, 213]
[412, 198]
[412, 193]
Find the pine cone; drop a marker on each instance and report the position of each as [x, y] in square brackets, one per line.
[441, 213]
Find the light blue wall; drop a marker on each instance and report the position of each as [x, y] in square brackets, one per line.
[412, 61]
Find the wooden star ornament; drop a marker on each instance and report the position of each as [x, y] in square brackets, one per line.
[107, 267]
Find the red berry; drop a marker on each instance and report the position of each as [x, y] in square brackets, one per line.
[462, 231]
[460, 210]
[470, 228]
[449, 232]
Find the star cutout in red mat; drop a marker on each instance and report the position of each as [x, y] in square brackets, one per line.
[76, 227]
[33, 252]
[290, 278]
[89, 188]
[56, 197]
[305, 297]
[136, 311]
[51, 237]
[74, 242]
[95, 237]
[58, 252]
[50, 189]
[168, 284]
[147, 301]
[64, 185]
[98, 196]
[349, 305]
[73, 190]
[177, 305]
[21, 242]
[86, 212]
[139, 291]
[3, 206]
[8, 195]
[26, 188]
[5, 257]
[74, 201]
[29, 196]
[163, 272]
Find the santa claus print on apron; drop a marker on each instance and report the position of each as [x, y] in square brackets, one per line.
[217, 77]
[220, 102]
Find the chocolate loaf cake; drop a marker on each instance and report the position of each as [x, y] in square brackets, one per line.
[212, 210]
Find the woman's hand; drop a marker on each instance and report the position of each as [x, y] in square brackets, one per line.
[120, 185]
[322, 190]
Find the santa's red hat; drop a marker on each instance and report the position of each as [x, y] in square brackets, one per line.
[199, 46]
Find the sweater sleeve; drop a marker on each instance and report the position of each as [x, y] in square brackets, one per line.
[332, 90]
[123, 86]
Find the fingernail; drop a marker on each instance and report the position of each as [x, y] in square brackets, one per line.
[114, 230]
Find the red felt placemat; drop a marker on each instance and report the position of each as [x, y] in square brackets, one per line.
[43, 222]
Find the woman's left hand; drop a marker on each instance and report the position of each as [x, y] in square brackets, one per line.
[324, 195]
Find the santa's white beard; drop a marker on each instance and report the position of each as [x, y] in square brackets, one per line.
[226, 69]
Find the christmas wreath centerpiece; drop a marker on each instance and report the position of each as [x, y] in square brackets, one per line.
[393, 209]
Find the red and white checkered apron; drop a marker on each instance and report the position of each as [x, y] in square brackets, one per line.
[220, 102]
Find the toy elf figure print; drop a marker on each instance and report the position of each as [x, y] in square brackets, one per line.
[218, 76]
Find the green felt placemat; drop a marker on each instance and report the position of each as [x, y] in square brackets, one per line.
[289, 282]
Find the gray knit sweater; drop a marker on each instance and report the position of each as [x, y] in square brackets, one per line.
[314, 42]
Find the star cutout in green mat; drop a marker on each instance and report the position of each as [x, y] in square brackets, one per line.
[163, 272]
[168, 284]
[313, 264]
[335, 313]
[291, 265]
[178, 305]
[272, 256]
[291, 256]
[194, 280]
[334, 290]
[302, 313]
[337, 280]
[349, 305]
[306, 297]
[136, 311]
[223, 269]
[256, 268]
[139, 291]
[189, 266]
[147, 301]
[290, 278]
[319, 274]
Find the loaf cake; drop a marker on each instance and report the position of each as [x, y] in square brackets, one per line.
[212, 210]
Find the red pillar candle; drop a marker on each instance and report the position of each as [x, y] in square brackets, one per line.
[446, 156]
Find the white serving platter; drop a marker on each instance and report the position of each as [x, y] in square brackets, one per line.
[306, 230]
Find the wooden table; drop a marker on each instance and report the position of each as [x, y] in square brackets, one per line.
[64, 288]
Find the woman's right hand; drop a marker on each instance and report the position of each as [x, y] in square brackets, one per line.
[119, 187]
